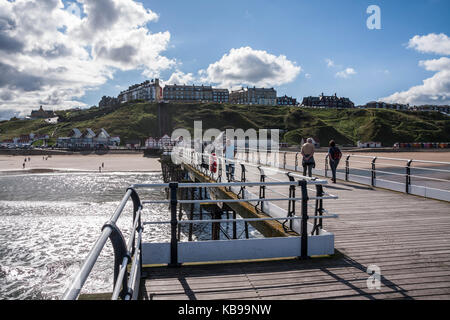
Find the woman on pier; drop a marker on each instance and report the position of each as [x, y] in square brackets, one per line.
[334, 154]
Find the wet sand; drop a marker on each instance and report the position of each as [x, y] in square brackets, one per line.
[112, 163]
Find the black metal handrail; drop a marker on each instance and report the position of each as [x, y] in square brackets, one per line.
[407, 174]
[122, 252]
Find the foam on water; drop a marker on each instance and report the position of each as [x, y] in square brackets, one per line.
[49, 223]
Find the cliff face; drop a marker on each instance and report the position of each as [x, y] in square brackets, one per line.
[139, 120]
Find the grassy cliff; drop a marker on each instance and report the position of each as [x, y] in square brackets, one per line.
[140, 120]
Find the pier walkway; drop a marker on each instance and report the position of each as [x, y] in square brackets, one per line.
[407, 237]
[319, 241]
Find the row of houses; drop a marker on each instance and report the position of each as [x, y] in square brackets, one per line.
[152, 91]
[88, 140]
[405, 107]
[25, 141]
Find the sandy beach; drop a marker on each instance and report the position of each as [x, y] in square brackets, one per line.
[112, 163]
[137, 162]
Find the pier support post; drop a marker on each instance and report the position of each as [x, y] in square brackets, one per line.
[215, 228]
[191, 214]
[234, 226]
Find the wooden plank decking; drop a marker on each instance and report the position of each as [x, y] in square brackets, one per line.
[408, 237]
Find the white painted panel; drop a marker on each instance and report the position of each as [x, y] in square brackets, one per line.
[392, 185]
[438, 194]
[155, 253]
[245, 249]
[360, 179]
[417, 190]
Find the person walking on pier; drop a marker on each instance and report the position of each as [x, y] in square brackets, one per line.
[230, 153]
[334, 155]
[308, 162]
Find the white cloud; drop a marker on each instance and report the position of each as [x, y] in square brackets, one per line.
[329, 62]
[246, 66]
[431, 43]
[346, 73]
[179, 77]
[51, 54]
[433, 90]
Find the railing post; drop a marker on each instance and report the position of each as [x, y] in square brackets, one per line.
[284, 160]
[319, 210]
[408, 176]
[304, 224]
[243, 179]
[262, 189]
[347, 167]
[326, 166]
[296, 162]
[374, 174]
[174, 224]
[291, 203]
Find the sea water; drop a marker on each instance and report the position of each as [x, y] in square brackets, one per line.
[49, 223]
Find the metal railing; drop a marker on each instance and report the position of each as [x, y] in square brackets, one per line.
[411, 173]
[381, 165]
[126, 283]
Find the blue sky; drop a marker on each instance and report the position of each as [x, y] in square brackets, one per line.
[185, 37]
[307, 32]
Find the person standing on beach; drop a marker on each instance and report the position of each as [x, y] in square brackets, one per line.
[334, 155]
[308, 157]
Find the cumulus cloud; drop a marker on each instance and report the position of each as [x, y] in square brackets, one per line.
[53, 52]
[431, 43]
[346, 73]
[246, 66]
[179, 77]
[433, 90]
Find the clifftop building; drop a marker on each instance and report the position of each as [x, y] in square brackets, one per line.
[260, 96]
[186, 93]
[286, 101]
[42, 114]
[405, 107]
[323, 101]
[148, 91]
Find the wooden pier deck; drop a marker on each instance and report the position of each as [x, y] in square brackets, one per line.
[407, 237]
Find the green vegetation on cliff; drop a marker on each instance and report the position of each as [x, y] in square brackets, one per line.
[140, 120]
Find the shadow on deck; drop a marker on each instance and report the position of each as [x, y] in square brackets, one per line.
[337, 277]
